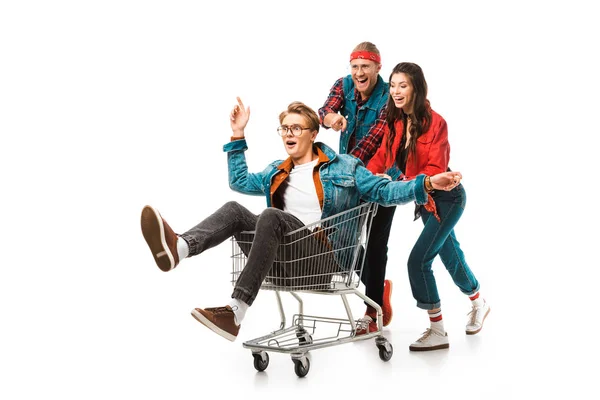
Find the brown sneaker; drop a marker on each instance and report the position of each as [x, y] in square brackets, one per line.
[220, 320]
[160, 238]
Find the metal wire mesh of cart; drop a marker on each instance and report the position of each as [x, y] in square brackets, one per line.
[326, 255]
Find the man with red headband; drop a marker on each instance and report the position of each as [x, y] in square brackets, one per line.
[355, 107]
[355, 101]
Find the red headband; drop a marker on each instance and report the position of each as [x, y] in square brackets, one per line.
[366, 55]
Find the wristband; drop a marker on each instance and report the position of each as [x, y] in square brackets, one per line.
[428, 185]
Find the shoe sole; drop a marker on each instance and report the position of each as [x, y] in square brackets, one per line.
[438, 347]
[206, 322]
[482, 321]
[391, 314]
[154, 233]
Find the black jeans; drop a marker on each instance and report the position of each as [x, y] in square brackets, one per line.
[373, 275]
[270, 228]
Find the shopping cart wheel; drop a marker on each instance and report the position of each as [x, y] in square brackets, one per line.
[301, 366]
[261, 361]
[385, 351]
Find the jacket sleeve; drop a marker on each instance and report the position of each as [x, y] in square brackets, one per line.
[368, 145]
[377, 163]
[389, 193]
[240, 180]
[334, 102]
[439, 151]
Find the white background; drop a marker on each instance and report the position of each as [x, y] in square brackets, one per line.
[106, 106]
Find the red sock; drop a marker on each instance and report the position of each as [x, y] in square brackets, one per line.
[476, 300]
[435, 319]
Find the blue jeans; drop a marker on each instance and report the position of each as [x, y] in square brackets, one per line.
[269, 228]
[439, 238]
[373, 275]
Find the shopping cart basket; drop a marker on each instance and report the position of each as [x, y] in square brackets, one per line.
[325, 257]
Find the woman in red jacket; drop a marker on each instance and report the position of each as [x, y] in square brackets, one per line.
[416, 142]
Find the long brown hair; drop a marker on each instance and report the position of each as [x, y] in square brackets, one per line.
[420, 118]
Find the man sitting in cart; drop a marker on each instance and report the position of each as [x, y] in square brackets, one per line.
[312, 184]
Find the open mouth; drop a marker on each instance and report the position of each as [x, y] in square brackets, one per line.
[290, 143]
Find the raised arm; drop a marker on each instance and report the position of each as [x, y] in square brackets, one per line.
[239, 118]
[240, 179]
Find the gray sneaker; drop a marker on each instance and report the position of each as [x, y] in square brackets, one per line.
[160, 238]
[220, 320]
[431, 340]
[476, 318]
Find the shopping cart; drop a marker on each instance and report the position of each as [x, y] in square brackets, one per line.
[325, 257]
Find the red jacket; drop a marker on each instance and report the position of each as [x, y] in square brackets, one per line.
[432, 154]
[432, 151]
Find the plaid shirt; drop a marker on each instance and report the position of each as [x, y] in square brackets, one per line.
[334, 101]
[366, 148]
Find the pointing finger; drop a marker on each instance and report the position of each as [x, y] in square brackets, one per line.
[240, 103]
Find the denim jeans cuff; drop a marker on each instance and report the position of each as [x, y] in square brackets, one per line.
[429, 306]
[243, 295]
[472, 292]
[192, 244]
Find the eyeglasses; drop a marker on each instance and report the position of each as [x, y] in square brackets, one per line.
[295, 129]
[367, 68]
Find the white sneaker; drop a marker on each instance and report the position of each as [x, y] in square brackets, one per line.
[476, 318]
[431, 340]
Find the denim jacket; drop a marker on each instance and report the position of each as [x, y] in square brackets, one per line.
[361, 119]
[345, 179]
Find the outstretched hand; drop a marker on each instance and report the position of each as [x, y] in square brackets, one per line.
[335, 121]
[239, 118]
[446, 180]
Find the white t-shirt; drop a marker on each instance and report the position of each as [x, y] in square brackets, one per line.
[300, 195]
